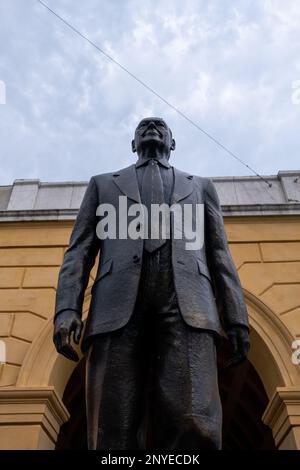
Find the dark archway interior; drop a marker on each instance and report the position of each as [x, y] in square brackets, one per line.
[243, 398]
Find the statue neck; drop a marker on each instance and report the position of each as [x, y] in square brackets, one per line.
[153, 152]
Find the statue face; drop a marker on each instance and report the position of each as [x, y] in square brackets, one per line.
[153, 131]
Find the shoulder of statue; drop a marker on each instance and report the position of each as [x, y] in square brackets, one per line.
[182, 173]
[112, 174]
[203, 181]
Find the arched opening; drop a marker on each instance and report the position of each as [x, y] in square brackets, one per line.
[73, 433]
[243, 396]
[269, 367]
[244, 401]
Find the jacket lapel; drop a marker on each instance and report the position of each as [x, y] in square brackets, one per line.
[183, 185]
[126, 180]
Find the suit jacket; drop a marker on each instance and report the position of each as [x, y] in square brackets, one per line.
[206, 281]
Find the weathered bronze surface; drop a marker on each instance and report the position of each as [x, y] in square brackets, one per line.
[157, 309]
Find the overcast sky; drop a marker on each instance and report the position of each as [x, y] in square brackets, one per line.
[229, 65]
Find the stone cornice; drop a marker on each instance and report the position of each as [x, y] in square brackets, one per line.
[283, 412]
[33, 406]
[243, 210]
[33, 200]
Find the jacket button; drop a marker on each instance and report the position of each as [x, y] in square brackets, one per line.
[136, 258]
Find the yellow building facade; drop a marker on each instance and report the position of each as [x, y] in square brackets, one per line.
[263, 229]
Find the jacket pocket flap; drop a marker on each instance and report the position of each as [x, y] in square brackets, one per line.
[203, 269]
[106, 268]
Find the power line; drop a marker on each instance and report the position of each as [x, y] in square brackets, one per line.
[141, 82]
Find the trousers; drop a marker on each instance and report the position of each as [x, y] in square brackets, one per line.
[153, 383]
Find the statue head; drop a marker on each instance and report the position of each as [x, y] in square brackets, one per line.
[153, 133]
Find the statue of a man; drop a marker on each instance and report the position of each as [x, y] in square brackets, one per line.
[158, 304]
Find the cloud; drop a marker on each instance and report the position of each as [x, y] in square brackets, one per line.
[71, 113]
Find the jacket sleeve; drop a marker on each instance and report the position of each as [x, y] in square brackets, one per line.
[229, 294]
[80, 256]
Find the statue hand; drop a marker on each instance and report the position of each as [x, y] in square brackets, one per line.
[65, 323]
[238, 336]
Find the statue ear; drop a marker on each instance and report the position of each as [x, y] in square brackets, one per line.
[133, 147]
[173, 145]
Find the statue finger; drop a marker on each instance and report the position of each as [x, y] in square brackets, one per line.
[57, 341]
[245, 346]
[65, 336]
[69, 353]
[236, 360]
[233, 343]
[77, 332]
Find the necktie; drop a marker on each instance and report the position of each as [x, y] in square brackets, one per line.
[153, 193]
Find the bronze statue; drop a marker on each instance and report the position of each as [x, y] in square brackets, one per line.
[157, 307]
